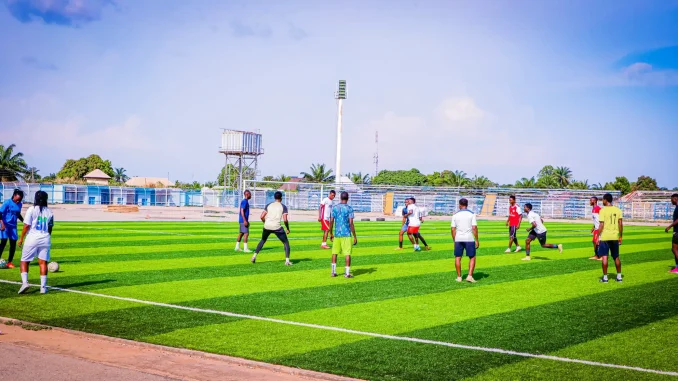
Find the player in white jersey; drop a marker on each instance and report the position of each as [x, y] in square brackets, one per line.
[37, 232]
[324, 215]
[465, 237]
[414, 214]
[595, 214]
[537, 231]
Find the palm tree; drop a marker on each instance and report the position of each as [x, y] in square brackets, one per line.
[268, 178]
[359, 178]
[120, 175]
[549, 182]
[12, 165]
[597, 186]
[581, 185]
[563, 176]
[32, 175]
[526, 183]
[459, 179]
[284, 178]
[481, 182]
[318, 174]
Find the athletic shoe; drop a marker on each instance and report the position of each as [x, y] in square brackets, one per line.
[348, 276]
[43, 290]
[603, 280]
[594, 258]
[398, 248]
[23, 288]
[254, 259]
[518, 249]
[334, 275]
[10, 265]
[417, 248]
[428, 248]
[288, 263]
[236, 249]
[674, 271]
[526, 259]
[247, 251]
[508, 250]
[325, 247]
[560, 248]
[619, 280]
[459, 279]
[470, 279]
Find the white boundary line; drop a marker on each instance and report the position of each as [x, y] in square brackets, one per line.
[362, 333]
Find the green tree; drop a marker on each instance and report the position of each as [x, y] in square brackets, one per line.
[408, 178]
[597, 186]
[548, 170]
[579, 185]
[621, 184]
[549, 182]
[283, 178]
[248, 174]
[359, 178]
[12, 165]
[32, 175]
[319, 173]
[645, 183]
[120, 175]
[268, 178]
[563, 176]
[526, 183]
[49, 178]
[481, 182]
[459, 179]
[77, 169]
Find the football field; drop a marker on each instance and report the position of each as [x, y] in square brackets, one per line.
[403, 316]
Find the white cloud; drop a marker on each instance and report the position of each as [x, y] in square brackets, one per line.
[643, 74]
[462, 110]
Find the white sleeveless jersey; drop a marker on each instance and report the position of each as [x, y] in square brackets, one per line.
[40, 222]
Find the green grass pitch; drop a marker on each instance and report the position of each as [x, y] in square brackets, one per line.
[553, 305]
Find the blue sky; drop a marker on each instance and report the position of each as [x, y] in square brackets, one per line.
[495, 88]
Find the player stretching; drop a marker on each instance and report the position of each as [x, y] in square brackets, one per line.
[324, 214]
[342, 222]
[595, 214]
[465, 237]
[674, 225]
[515, 218]
[610, 235]
[406, 224]
[38, 225]
[537, 231]
[244, 220]
[10, 212]
[415, 219]
[273, 213]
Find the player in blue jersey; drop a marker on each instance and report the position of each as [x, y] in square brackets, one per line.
[342, 222]
[406, 224]
[244, 219]
[10, 212]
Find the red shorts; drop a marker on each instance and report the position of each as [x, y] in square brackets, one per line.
[595, 236]
[413, 230]
[325, 225]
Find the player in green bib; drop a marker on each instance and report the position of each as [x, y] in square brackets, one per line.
[342, 222]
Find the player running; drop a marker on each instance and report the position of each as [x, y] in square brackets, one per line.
[537, 231]
[414, 215]
[674, 225]
[465, 237]
[406, 224]
[342, 222]
[515, 218]
[244, 219]
[10, 212]
[610, 235]
[595, 214]
[324, 215]
[38, 234]
[271, 217]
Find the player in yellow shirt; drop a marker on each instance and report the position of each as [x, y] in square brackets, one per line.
[610, 235]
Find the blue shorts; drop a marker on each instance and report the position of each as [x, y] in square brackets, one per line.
[404, 228]
[10, 233]
[469, 247]
[609, 247]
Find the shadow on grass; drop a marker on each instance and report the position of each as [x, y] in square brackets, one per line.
[364, 271]
[541, 258]
[295, 261]
[480, 275]
[85, 284]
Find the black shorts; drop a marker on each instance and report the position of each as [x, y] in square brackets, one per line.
[609, 248]
[540, 237]
[513, 232]
[675, 238]
[468, 247]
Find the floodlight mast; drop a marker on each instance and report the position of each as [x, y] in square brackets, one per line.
[339, 95]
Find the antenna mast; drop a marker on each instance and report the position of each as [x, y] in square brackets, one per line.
[376, 153]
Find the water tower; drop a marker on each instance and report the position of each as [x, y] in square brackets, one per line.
[242, 150]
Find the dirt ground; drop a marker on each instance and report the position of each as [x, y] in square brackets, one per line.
[58, 354]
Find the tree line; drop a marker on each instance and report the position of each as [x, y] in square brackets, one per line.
[13, 167]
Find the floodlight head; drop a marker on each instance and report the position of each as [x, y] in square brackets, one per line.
[341, 90]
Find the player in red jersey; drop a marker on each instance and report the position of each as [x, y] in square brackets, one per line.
[515, 217]
[595, 214]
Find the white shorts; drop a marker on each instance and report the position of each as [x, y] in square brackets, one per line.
[35, 249]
